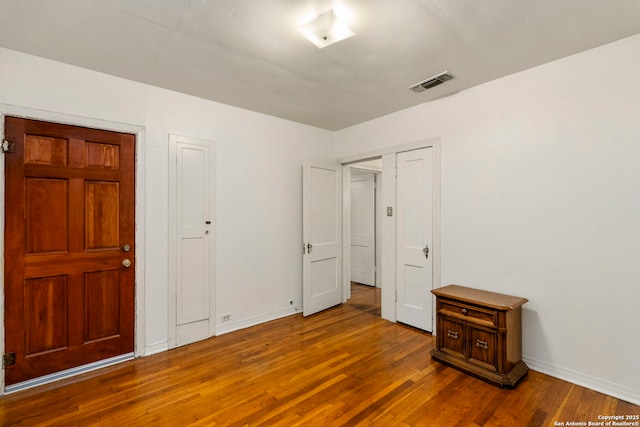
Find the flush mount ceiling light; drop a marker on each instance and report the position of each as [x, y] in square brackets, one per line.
[325, 29]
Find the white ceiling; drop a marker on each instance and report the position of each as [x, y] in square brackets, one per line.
[248, 53]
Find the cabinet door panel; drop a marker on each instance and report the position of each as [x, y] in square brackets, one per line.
[452, 336]
[482, 347]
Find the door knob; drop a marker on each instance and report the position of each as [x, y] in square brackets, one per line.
[126, 263]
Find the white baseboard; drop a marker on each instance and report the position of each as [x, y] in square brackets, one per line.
[612, 389]
[156, 348]
[226, 327]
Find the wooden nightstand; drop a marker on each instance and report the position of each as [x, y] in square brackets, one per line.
[480, 332]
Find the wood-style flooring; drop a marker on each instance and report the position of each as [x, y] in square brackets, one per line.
[344, 366]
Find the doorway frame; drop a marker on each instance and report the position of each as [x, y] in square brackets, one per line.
[372, 172]
[140, 208]
[346, 225]
[388, 282]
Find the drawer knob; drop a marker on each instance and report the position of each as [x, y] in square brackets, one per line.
[482, 344]
[452, 334]
[465, 311]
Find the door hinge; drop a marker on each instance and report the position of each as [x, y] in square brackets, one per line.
[8, 147]
[8, 359]
[396, 296]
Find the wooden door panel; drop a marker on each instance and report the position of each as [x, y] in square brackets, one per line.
[69, 204]
[44, 150]
[101, 304]
[102, 155]
[46, 314]
[101, 215]
[46, 209]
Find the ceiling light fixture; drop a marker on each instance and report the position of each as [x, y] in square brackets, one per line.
[325, 29]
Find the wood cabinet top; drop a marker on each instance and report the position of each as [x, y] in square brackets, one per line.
[477, 296]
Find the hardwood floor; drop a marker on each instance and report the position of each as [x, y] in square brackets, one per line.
[344, 366]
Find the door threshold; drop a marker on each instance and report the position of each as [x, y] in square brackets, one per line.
[67, 373]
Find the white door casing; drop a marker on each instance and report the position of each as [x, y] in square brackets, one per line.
[414, 265]
[362, 202]
[192, 237]
[322, 237]
[379, 215]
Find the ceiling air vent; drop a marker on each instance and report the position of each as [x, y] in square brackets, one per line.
[431, 82]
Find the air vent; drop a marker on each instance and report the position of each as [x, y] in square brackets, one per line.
[431, 82]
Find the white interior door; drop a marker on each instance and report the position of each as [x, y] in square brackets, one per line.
[193, 225]
[322, 209]
[362, 203]
[414, 266]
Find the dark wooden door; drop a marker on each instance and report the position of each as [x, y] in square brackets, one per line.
[69, 209]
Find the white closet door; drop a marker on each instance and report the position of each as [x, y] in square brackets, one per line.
[193, 227]
[414, 266]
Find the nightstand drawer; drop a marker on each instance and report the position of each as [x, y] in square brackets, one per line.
[468, 313]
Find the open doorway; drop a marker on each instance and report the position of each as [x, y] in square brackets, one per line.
[367, 299]
[365, 251]
[403, 282]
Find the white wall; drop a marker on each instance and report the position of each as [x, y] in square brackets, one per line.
[541, 199]
[259, 182]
